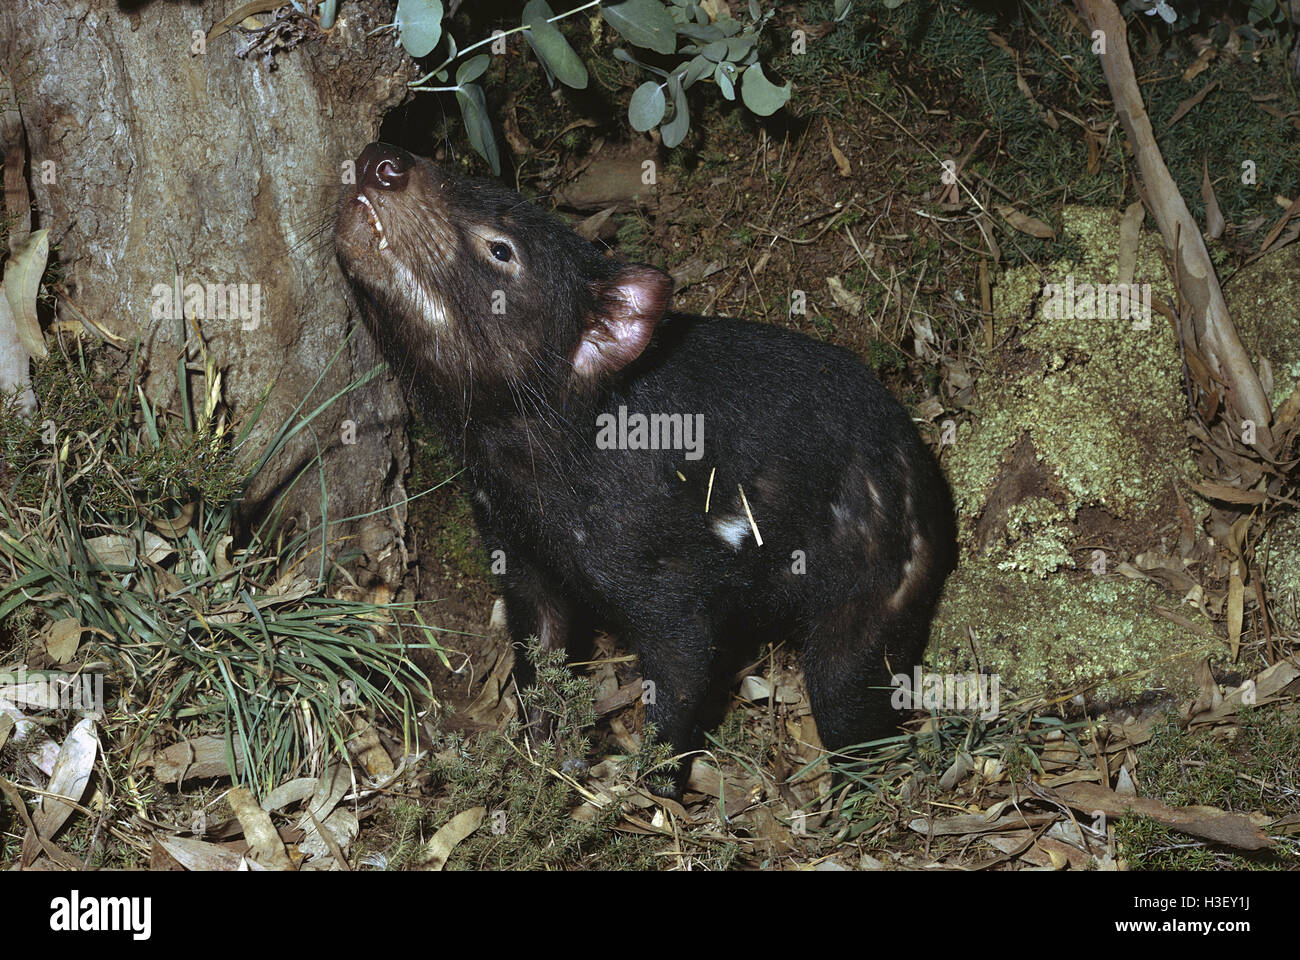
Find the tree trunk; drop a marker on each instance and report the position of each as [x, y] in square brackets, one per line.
[153, 152]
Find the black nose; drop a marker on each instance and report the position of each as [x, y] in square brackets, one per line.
[384, 167]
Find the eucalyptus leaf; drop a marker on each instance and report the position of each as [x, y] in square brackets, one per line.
[473, 109]
[729, 28]
[737, 47]
[621, 54]
[759, 93]
[705, 33]
[473, 68]
[717, 51]
[1261, 10]
[697, 68]
[643, 23]
[674, 132]
[725, 77]
[420, 25]
[647, 106]
[22, 282]
[755, 10]
[551, 46]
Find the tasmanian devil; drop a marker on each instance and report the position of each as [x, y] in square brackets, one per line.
[691, 483]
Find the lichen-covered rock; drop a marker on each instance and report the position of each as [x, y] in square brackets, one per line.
[1077, 445]
[1072, 413]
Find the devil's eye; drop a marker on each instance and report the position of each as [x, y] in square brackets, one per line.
[501, 251]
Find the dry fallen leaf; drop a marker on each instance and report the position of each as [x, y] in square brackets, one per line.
[264, 843]
[852, 302]
[37, 747]
[1221, 491]
[72, 772]
[1190, 103]
[201, 855]
[1024, 223]
[440, 846]
[841, 161]
[1214, 225]
[201, 757]
[63, 639]
[117, 550]
[1234, 829]
[1201, 63]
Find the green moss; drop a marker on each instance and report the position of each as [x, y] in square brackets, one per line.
[885, 357]
[444, 515]
[1063, 634]
[1100, 405]
[530, 822]
[1038, 541]
[1280, 555]
[1097, 399]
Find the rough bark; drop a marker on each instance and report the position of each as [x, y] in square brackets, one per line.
[170, 159]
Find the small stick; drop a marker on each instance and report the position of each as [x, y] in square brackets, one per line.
[758, 537]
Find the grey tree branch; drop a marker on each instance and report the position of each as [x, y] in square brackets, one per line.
[1213, 328]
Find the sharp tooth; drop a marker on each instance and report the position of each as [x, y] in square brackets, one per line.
[375, 223]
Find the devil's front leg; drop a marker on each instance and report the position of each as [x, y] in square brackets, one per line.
[675, 652]
[536, 608]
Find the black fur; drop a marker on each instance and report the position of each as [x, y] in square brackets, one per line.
[854, 514]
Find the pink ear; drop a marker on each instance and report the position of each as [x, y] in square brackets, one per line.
[628, 307]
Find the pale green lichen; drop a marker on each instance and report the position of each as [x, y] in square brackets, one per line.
[1102, 406]
[1038, 542]
[1100, 401]
[1264, 302]
[1101, 636]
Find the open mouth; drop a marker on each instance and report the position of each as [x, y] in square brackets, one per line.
[372, 215]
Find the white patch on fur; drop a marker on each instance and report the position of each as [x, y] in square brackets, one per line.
[912, 569]
[732, 530]
[426, 303]
[875, 496]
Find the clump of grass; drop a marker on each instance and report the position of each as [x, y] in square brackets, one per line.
[913, 765]
[530, 822]
[128, 523]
